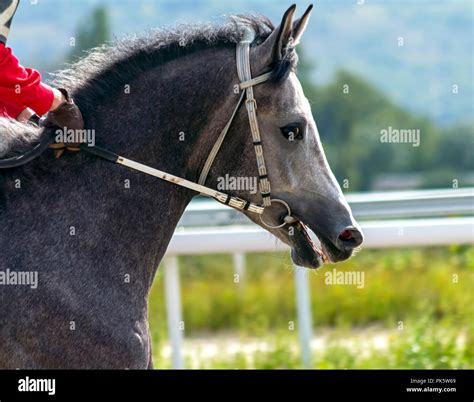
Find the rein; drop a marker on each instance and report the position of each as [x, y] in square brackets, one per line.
[224, 198]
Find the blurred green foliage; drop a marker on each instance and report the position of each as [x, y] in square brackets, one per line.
[421, 346]
[350, 114]
[429, 290]
[92, 32]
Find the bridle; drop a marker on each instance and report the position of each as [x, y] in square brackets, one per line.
[246, 85]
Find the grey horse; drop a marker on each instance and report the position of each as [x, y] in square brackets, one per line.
[95, 232]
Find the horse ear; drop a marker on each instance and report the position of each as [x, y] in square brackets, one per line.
[300, 25]
[274, 47]
[284, 33]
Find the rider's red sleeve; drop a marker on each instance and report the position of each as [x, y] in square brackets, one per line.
[21, 87]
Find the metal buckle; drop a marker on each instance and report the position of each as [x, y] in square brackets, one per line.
[251, 101]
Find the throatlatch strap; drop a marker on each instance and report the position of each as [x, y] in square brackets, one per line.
[217, 144]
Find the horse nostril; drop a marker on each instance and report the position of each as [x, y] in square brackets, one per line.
[350, 238]
[346, 235]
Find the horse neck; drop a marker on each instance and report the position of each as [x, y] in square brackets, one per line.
[171, 114]
[126, 219]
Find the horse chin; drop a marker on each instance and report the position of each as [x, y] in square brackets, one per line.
[304, 252]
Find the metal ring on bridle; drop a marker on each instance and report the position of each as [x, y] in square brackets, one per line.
[288, 219]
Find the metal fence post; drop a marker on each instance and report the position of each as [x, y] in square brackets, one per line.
[239, 266]
[303, 306]
[173, 310]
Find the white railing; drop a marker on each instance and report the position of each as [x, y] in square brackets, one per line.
[435, 217]
[365, 206]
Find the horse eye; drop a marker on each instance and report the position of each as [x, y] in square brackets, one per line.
[292, 132]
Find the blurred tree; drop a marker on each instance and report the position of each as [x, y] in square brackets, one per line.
[456, 148]
[305, 69]
[94, 32]
[351, 113]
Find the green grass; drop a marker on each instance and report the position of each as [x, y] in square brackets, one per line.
[429, 290]
[423, 345]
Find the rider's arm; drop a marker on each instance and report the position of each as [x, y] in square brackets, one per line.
[21, 87]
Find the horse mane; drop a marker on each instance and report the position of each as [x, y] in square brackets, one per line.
[106, 69]
[16, 137]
